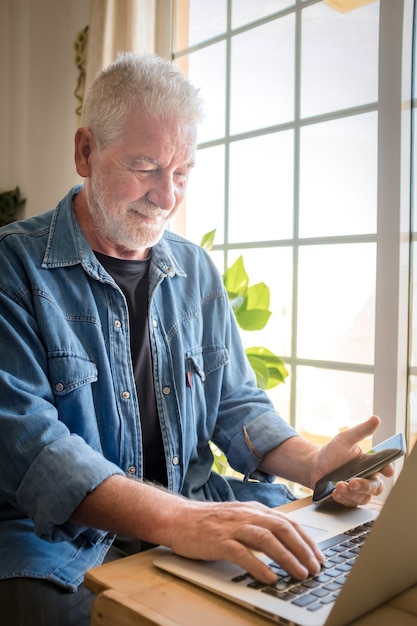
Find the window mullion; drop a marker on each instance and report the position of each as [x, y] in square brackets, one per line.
[391, 324]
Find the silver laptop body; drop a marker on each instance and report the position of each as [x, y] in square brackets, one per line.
[385, 566]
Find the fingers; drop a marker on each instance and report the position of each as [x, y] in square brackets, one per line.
[388, 471]
[248, 561]
[359, 491]
[284, 543]
[234, 531]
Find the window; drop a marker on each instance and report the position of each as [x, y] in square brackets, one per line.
[303, 167]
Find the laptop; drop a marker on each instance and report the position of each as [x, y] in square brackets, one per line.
[384, 566]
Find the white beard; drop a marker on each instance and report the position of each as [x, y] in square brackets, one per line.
[124, 228]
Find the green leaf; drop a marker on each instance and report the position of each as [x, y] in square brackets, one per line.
[270, 370]
[237, 304]
[261, 372]
[254, 319]
[258, 297]
[236, 280]
[208, 240]
[252, 312]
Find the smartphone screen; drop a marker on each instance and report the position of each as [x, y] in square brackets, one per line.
[362, 466]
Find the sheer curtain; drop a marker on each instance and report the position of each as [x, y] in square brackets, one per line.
[116, 26]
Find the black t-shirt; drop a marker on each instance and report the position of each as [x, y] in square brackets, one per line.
[133, 279]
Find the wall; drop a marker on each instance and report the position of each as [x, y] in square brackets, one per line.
[37, 104]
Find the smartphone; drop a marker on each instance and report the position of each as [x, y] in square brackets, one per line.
[362, 466]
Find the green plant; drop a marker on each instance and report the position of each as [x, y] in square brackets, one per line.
[250, 304]
[10, 203]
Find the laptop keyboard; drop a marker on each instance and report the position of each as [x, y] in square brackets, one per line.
[312, 593]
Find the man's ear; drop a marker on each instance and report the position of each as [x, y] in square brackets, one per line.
[83, 143]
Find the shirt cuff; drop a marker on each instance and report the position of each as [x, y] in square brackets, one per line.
[253, 443]
[55, 484]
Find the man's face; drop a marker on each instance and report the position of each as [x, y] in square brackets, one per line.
[136, 185]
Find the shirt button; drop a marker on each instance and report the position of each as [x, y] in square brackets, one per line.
[118, 324]
[175, 460]
[126, 395]
[154, 323]
[166, 391]
[59, 387]
[131, 470]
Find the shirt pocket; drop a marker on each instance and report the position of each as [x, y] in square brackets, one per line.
[205, 369]
[69, 371]
[205, 360]
[74, 380]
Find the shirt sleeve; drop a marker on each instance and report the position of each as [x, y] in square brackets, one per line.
[248, 426]
[46, 469]
[59, 478]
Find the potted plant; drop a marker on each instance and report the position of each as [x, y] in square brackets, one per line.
[10, 203]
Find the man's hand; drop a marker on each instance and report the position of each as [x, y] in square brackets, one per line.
[303, 462]
[339, 450]
[201, 530]
[230, 531]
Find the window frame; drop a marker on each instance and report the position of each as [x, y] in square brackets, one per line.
[393, 310]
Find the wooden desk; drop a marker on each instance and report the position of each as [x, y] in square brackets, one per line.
[132, 592]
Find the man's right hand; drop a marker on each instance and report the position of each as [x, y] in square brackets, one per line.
[210, 531]
[232, 531]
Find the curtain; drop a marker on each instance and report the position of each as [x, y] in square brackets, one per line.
[116, 26]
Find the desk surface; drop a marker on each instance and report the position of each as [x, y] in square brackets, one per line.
[133, 592]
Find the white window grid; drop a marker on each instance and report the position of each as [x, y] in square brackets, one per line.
[391, 369]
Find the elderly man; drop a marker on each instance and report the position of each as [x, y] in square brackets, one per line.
[120, 360]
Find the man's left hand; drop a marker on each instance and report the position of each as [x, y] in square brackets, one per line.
[342, 448]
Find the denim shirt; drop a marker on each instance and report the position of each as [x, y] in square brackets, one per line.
[69, 415]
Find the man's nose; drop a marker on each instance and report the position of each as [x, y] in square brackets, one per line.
[163, 193]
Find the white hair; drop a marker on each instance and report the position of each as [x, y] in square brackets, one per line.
[147, 83]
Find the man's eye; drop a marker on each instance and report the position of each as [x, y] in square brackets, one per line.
[141, 170]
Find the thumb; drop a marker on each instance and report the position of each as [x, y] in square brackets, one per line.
[361, 431]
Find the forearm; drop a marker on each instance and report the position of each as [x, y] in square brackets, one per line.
[292, 460]
[131, 508]
[202, 530]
